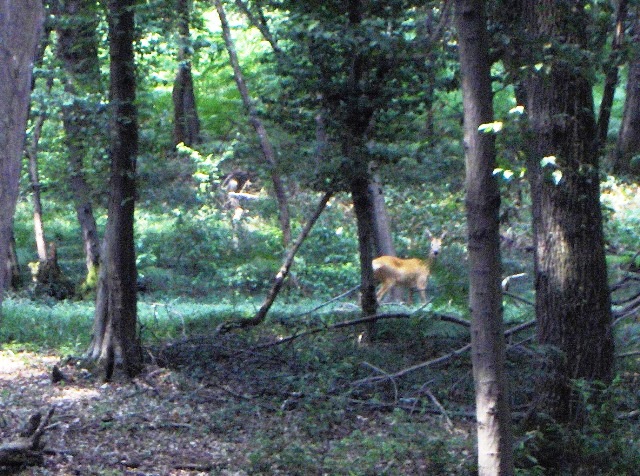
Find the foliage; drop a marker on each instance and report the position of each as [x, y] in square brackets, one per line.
[201, 261]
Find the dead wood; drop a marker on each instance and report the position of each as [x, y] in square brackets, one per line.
[27, 448]
[280, 277]
[436, 361]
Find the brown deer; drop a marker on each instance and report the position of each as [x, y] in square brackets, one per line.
[412, 274]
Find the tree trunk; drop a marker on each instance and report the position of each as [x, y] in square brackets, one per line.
[20, 30]
[34, 179]
[363, 207]
[77, 49]
[115, 341]
[267, 148]
[358, 118]
[495, 441]
[13, 265]
[628, 144]
[382, 237]
[186, 124]
[611, 70]
[573, 305]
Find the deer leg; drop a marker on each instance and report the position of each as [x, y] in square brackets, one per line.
[383, 290]
[423, 295]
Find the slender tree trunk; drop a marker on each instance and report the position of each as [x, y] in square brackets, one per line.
[20, 30]
[268, 152]
[495, 441]
[573, 306]
[34, 179]
[611, 70]
[628, 144]
[32, 153]
[15, 276]
[115, 341]
[257, 21]
[77, 50]
[186, 124]
[382, 237]
[358, 119]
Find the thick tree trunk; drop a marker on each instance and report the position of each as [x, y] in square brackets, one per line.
[495, 441]
[573, 306]
[186, 124]
[268, 152]
[628, 144]
[20, 30]
[115, 340]
[77, 49]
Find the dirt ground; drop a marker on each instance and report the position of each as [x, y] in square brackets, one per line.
[149, 426]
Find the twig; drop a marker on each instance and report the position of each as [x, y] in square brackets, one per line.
[339, 325]
[326, 303]
[518, 298]
[434, 400]
[422, 365]
[453, 319]
[440, 359]
[393, 382]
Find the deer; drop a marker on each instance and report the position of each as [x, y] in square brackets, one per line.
[411, 273]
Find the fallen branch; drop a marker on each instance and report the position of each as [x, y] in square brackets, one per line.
[438, 360]
[453, 319]
[279, 279]
[339, 325]
[27, 449]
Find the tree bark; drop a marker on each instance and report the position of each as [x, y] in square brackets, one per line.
[268, 152]
[115, 342]
[573, 305]
[34, 179]
[382, 237]
[495, 441]
[611, 70]
[628, 144]
[358, 119]
[77, 49]
[13, 265]
[186, 124]
[20, 30]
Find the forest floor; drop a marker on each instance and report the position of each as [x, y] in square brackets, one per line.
[226, 414]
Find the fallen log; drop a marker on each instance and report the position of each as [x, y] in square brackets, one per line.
[27, 448]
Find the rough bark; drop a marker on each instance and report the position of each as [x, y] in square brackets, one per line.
[628, 144]
[115, 342]
[495, 441]
[20, 30]
[186, 124]
[573, 305]
[266, 146]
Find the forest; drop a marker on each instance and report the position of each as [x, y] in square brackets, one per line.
[320, 238]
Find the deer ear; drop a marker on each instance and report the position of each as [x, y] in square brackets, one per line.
[444, 233]
[428, 233]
